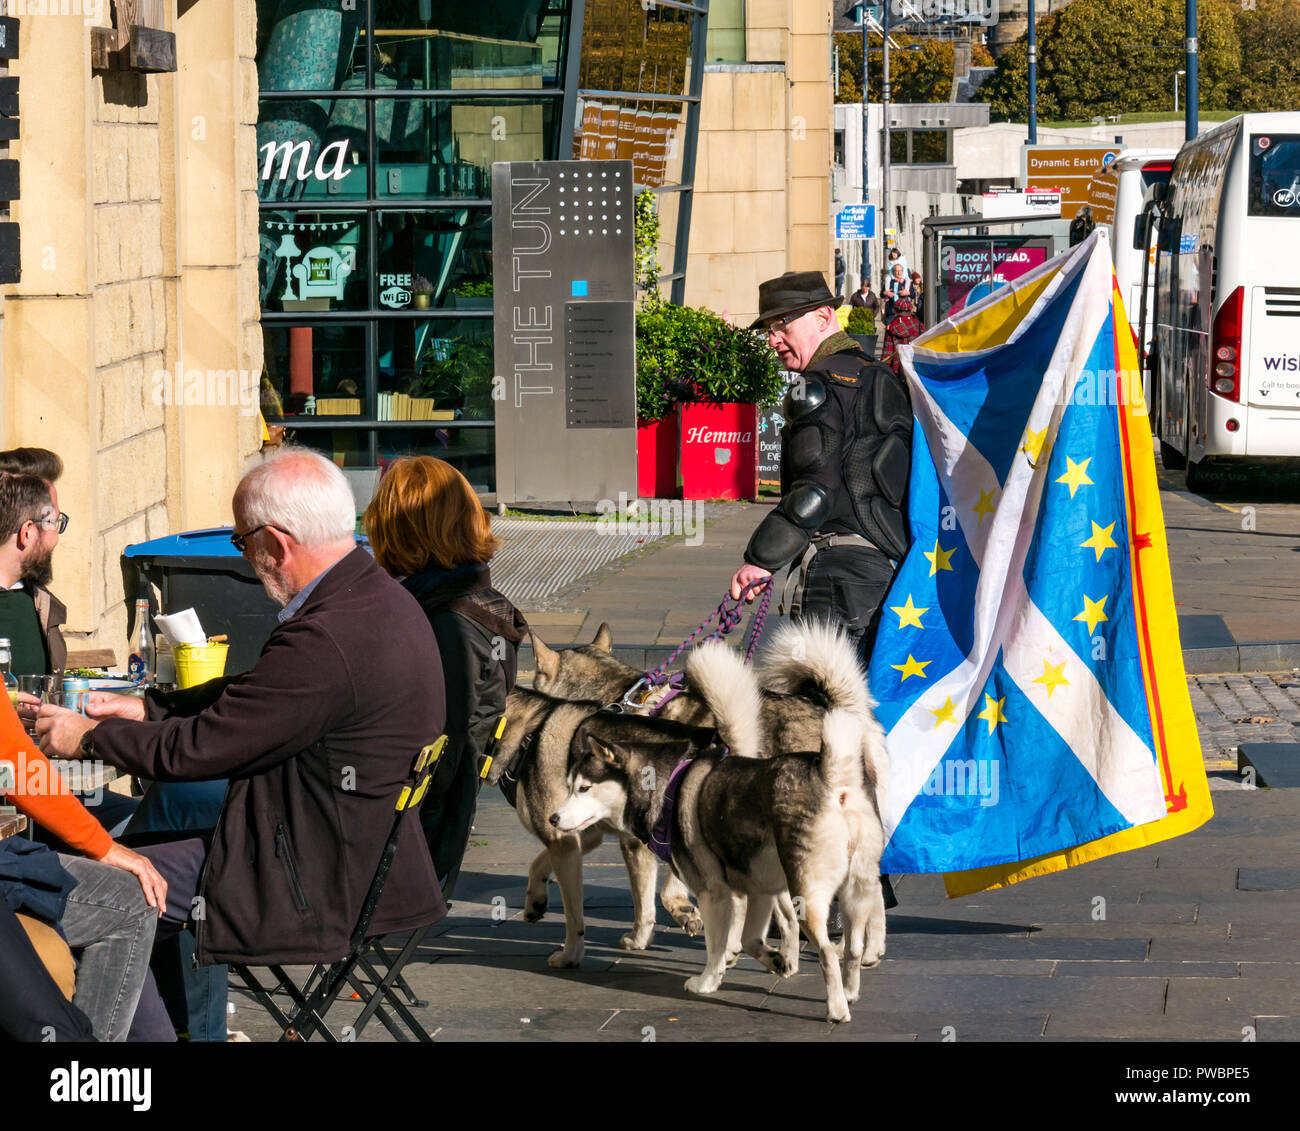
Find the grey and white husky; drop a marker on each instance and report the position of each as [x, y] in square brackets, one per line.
[546, 727]
[803, 671]
[789, 832]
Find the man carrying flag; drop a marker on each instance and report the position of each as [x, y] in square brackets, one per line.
[1028, 669]
[845, 454]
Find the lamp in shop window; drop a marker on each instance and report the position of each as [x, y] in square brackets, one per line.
[288, 251]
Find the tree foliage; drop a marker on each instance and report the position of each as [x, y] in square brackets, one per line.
[1119, 56]
[1269, 31]
[920, 69]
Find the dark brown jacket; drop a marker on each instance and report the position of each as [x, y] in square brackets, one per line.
[317, 740]
[52, 614]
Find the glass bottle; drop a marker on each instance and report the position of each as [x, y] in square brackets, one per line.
[140, 668]
[6, 664]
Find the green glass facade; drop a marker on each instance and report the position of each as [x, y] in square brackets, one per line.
[378, 127]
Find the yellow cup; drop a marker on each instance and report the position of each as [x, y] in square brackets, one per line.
[198, 663]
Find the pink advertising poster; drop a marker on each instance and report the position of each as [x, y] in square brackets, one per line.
[973, 267]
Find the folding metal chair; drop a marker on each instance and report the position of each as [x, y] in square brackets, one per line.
[371, 967]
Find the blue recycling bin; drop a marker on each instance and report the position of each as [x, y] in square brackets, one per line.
[203, 571]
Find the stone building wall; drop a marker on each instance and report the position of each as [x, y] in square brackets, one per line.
[762, 182]
[139, 293]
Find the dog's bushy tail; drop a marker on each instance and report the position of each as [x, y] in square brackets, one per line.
[841, 765]
[721, 678]
[813, 658]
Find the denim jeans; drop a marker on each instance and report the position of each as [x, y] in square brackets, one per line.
[108, 920]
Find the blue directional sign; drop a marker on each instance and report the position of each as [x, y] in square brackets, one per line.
[856, 222]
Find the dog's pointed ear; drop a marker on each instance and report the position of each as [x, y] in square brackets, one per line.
[607, 752]
[604, 638]
[547, 659]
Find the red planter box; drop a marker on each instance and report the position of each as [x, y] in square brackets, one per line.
[656, 459]
[719, 451]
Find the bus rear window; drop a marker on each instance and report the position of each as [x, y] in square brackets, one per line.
[1274, 175]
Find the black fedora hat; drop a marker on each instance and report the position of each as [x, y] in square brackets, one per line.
[793, 292]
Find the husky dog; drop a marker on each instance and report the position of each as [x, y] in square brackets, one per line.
[546, 726]
[800, 825]
[804, 671]
[789, 716]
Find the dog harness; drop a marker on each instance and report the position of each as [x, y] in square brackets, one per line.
[661, 836]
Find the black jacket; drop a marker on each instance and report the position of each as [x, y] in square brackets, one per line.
[478, 632]
[317, 740]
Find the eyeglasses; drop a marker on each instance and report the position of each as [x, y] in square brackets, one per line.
[58, 522]
[778, 325]
[240, 540]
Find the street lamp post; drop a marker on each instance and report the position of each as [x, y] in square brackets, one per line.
[1193, 96]
[1031, 51]
[866, 151]
[884, 107]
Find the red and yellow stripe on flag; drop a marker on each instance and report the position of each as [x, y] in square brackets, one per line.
[1173, 724]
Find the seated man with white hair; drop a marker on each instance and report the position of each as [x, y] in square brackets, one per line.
[317, 739]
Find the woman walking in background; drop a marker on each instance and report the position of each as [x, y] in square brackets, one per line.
[903, 327]
[427, 529]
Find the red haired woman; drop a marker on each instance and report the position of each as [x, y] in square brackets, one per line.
[427, 528]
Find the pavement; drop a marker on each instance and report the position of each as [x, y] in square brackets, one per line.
[1195, 939]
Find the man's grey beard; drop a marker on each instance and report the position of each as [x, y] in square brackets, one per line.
[40, 572]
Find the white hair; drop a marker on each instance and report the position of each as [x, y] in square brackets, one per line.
[301, 491]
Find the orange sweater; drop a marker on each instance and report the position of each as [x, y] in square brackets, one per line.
[41, 793]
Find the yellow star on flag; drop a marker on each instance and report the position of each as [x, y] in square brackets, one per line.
[912, 667]
[1052, 677]
[1094, 612]
[1101, 541]
[992, 712]
[944, 714]
[985, 505]
[1035, 444]
[909, 614]
[1076, 475]
[939, 558]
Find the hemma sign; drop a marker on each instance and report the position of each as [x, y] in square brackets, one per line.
[702, 435]
[326, 168]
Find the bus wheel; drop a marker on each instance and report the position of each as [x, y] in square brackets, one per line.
[1171, 457]
[1200, 476]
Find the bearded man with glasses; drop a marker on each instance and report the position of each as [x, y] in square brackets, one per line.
[30, 615]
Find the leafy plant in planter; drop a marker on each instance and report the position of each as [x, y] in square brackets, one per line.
[462, 381]
[861, 321]
[481, 289]
[690, 355]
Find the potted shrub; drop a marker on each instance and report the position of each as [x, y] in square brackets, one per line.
[861, 327]
[421, 293]
[718, 376]
[472, 295]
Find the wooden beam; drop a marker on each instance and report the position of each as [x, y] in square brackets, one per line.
[151, 50]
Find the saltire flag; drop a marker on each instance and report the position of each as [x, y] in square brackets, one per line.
[1028, 669]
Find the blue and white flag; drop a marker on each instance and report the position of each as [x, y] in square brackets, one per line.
[1027, 669]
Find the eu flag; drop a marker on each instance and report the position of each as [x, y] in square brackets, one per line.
[1028, 670]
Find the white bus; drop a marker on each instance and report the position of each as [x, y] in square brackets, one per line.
[1134, 173]
[1225, 370]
